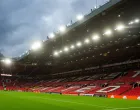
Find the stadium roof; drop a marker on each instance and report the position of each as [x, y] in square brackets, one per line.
[107, 35]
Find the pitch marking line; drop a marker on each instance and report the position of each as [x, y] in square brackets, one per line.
[124, 108]
[66, 101]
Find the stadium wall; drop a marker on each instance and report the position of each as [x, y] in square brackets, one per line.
[124, 97]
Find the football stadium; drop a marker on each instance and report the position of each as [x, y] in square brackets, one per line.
[90, 64]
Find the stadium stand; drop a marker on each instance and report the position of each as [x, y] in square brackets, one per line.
[109, 85]
[88, 58]
[133, 92]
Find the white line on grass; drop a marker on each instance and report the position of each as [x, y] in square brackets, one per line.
[124, 108]
[99, 106]
[66, 101]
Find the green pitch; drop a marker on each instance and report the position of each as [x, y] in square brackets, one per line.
[34, 101]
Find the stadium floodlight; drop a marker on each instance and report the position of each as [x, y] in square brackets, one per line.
[52, 35]
[36, 45]
[6, 75]
[56, 53]
[95, 37]
[60, 51]
[79, 44]
[7, 61]
[120, 27]
[131, 23]
[72, 46]
[80, 17]
[62, 28]
[66, 49]
[137, 20]
[87, 41]
[108, 32]
[2, 60]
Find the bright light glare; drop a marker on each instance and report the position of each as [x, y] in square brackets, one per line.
[72, 47]
[120, 27]
[60, 51]
[36, 46]
[2, 60]
[137, 20]
[62, 28]
[66, 49]
[7, 61]
[79, 44]
[108, 32]
[80, 17]
[131, 23]
[56, 53]
[52, 35]
[6, 75]
[87, 41]
[95, 37]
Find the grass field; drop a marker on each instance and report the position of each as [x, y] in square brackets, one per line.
[33, 101]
